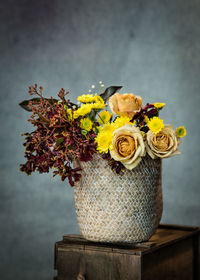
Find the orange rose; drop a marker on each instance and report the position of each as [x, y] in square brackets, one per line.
[125, 104]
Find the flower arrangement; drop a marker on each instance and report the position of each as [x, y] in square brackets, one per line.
[65, 131]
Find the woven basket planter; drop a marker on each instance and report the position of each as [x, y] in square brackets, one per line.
[118, 208]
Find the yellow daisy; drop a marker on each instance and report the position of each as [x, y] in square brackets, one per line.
[155, 125]
[121, 121]
[104, 141]
[108, 127]
[180, 131]
[146, 119]
[86, 98]
[69, 114]
[98, 99]
[82, 111]
[159, 105]
[104, 117]
[86, 124]
[98, 105]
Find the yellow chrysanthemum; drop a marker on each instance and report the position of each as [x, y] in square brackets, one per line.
[180, 131]
[98, 105]
[159, 105]
[86, 124]
[121, 121]
[82, 111]
[108, 127]
[104, 141]
[98, 99]
[104, 117]
[69, 114]
[146, 119]
[86, 98]
[155, 125]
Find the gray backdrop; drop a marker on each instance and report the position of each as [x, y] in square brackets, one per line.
[150, 47]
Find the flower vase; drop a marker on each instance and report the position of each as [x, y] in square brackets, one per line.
[117, 208]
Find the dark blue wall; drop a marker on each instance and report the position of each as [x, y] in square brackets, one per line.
[150, 47]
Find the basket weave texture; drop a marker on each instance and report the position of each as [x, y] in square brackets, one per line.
[118, 208]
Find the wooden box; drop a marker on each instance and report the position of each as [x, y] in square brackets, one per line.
[171, 253]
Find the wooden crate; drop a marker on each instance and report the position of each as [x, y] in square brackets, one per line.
[171, 253]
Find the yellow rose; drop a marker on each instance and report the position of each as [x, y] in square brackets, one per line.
[163, 144]
[125, 104]
[128, 146]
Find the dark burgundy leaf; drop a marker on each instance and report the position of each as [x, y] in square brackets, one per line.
[24, 104]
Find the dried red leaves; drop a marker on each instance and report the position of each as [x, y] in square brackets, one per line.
[57, 139]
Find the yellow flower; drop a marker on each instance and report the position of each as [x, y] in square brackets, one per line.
[108, 127]
[69, 114]
[159, 105]
[98, 99]
[86, 98]
[104, 141]
[180, 131]
[89, 98]
[86, 124]
[104, 117]
[146, 119]
[121, 121]
[155, 125]
[82, 111]
[98, 105]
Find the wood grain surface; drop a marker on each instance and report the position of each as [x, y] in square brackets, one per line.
[172, 253]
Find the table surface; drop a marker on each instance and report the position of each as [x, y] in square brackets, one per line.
[165, 235]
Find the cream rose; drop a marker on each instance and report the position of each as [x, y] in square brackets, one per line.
[163, 144]
[128, 146]
[125, 104]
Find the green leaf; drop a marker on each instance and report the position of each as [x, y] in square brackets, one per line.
[109, 92]
[24, 104]
[59, 141]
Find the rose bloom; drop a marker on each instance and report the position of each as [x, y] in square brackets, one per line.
[128, 146]
[125, 104]
[163, 144]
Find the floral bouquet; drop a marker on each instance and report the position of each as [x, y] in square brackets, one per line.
[113, 156]
[65, 132]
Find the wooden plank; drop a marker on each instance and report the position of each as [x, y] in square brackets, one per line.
[77, 239]
[164, 236]
[171, 250]
[57, 244]
[173, 262]
[196, 257]
[103, 248]
[179, 227]
[97, 265]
